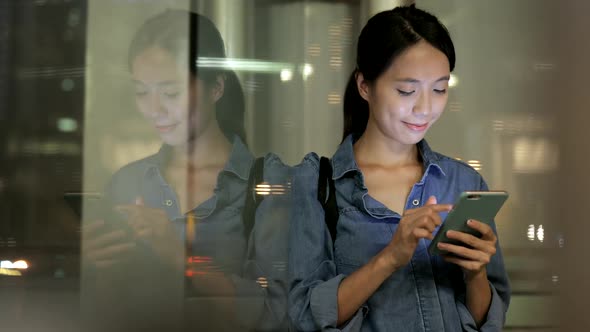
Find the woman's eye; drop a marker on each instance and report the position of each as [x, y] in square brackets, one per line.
[405, 93]
[440, 91]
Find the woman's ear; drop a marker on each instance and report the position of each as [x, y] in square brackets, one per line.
[218, 88]
[363, 86]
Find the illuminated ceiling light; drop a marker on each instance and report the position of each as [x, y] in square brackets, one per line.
[67, 125]
[270, 189]
[453, 81]
[263, 189]
[10, 272]
[334, 98]
[531, 233]
[314, 50]
[455, 106]
[21, 265]
[248, 65]
[476, 164]
[498, 125]
[307, 71]
[335, 62]
[286, 75]
[262, 281]
[540, 233]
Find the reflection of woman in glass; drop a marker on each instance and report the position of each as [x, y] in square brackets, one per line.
[202, 170]
[390, 189]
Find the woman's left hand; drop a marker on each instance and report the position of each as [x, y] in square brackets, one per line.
[474, 258]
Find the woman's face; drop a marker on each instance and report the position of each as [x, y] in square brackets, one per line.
[410, 95]
[165, 93]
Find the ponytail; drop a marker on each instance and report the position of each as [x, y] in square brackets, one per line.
[230, 108]
[356, 109]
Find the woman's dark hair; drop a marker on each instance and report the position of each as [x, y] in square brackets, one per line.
[386, 35]
[188, 34]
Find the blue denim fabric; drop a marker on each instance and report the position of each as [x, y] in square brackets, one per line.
[219, 230]
[426, 295]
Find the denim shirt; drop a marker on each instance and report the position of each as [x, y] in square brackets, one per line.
[219, 228]
[426, 295]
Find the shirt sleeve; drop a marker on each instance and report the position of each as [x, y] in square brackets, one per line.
[261, 289]
[313, 278]
[500, 287]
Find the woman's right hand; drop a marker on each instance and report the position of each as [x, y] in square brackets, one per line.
[415, 224]
[104, 248]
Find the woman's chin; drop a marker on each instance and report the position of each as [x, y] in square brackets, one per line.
[174, 140]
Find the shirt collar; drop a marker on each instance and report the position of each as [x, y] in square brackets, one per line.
[343, 160]
[239, 162]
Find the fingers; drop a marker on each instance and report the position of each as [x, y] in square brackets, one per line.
[434, 208]
[422, 233]
[91, 228]
[101, 241]
[111, 255]
[466, 253]
[431, 201]
[487, 233]
[486, 245]
[468, 265]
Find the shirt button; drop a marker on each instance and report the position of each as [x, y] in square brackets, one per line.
[415, 202]
[168, 202]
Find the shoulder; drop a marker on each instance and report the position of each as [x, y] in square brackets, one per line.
[136, 168]
[275, 170]
[125, 183]
[458, 170]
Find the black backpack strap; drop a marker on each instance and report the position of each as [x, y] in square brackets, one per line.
[327, 196]
[253, 199]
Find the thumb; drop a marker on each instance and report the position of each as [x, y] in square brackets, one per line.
[431, 201]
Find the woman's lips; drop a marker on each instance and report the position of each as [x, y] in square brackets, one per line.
[165, 128]
[416, 127]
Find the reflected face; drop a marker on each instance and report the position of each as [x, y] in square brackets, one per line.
[410, 95]
[165, 93]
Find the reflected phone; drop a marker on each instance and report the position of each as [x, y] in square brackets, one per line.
[479, 205]
[98, 207]
[75, 199]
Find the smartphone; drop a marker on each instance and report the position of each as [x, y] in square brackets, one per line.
[75, 199]
[479, 205]
[97, 207]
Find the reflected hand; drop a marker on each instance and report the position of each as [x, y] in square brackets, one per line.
[473, 259]
[105, 249]
[152, 226]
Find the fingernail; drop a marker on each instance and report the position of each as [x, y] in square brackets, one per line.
[469, 221]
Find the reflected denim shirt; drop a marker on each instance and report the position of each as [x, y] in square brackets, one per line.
[426, 295]
[219, 228]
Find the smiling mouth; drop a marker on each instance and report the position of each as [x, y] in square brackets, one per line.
[166, 129]
[416, 127]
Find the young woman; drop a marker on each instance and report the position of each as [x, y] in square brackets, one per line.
[201, 171]
[392, 193]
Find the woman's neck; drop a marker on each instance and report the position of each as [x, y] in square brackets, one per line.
[374, 148]
[207, 149]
